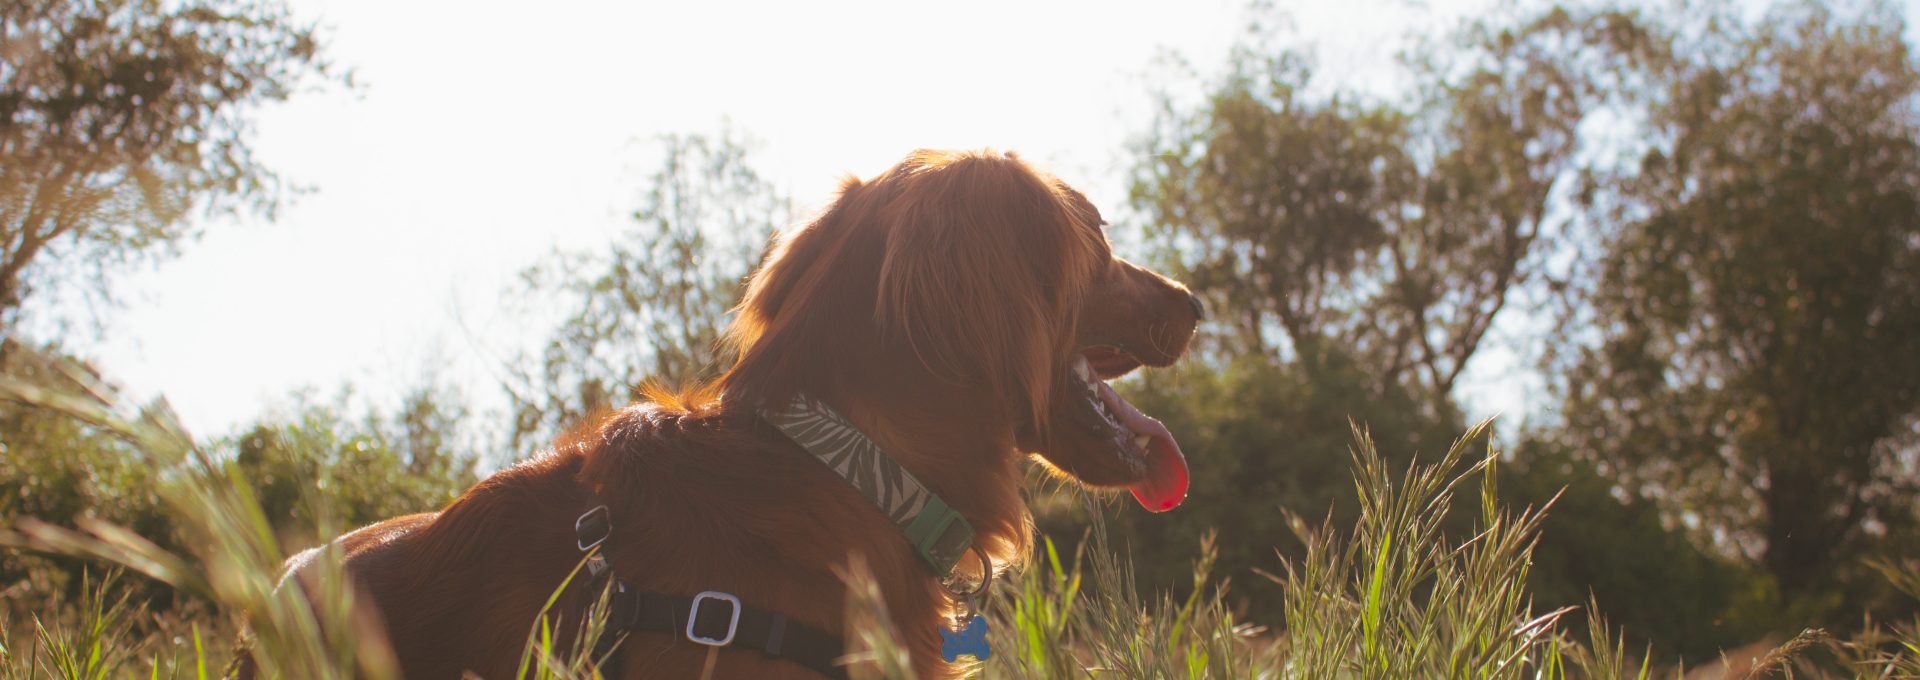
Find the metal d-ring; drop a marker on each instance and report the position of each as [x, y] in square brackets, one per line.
[986, 578]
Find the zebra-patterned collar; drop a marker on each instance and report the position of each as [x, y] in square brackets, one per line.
[938, 532]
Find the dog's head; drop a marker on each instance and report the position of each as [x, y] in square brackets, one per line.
[973, 281]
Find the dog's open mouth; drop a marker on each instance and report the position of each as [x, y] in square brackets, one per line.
[1138, 439]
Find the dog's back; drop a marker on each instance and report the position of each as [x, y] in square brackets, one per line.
[298, 571]
[484, 566]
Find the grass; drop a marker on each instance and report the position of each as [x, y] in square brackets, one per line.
[542, 658]
[88, 647]
[236, 563]
[1393, 596]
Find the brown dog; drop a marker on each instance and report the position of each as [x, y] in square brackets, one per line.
[961, 310]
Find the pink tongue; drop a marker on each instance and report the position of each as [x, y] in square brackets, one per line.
[1166, 482]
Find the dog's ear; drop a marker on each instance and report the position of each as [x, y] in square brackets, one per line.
[783, 275]
[797, 304]
[981, 272]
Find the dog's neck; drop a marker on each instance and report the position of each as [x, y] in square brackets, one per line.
[961, 446]
[802, 531]
[939, 534]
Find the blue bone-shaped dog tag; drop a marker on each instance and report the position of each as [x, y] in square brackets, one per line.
[970, 640]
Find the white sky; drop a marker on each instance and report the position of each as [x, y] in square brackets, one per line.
[487, 133]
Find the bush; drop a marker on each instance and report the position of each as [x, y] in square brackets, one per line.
[310, 474]
[361, 471]
[1604, 546]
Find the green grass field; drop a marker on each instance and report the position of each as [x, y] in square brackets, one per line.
[1392, 596]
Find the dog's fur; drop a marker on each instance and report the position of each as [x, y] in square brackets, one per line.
[937, 306]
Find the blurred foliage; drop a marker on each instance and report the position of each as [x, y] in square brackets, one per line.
[69, 472]
[365, 469]
[230, 560]
[1397, 596]
[1334, 227]
[1721, 208]
[1742, 351]
[1619, 556]
[60, 470]
[1358, 250]
[648, 307]
[119, 117]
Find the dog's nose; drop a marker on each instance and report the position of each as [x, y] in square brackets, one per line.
[1199, 308]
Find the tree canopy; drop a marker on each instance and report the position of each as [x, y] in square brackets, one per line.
[649, 306]
[1754, 296]
[1724, 204]
[1394, 231]
[118, 118]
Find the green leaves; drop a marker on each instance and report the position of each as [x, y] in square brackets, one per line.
[1707, 219]
[118, 118]
[1756, 289]
[1395, 596]
[648, 307]
[367, 468]
[1393, 229]
[236, 558]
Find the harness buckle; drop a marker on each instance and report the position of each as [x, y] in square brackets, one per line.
[733, 619]
[593, 527]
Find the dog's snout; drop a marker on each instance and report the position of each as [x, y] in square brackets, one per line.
[1199, 308]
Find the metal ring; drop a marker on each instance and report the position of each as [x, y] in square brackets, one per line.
[733, 620]
[580, 528]
[986, 577]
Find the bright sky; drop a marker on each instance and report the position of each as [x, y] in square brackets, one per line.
[486, 134]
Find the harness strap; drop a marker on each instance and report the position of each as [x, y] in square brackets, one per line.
[769, 633]
[710, 618]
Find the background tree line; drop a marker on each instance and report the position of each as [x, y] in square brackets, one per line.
[1698, 220]
[1715, 213]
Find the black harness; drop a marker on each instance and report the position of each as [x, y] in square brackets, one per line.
[935, 530]
[712, 618]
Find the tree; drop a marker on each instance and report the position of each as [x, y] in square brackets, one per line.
[1392, 232]
[648, 308]
[1356, 252]
[119, 117]
[1755, 297]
